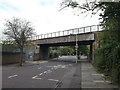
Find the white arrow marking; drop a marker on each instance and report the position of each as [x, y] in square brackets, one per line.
[12, 76]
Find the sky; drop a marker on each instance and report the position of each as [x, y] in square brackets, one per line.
[45, 15]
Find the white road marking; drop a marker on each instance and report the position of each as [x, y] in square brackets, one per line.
[53, 80]
[35, 76]
[12, 76]
[49, 71]
[45, 71]
[39, 68]
[40, 73]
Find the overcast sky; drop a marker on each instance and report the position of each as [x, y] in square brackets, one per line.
[45, 15]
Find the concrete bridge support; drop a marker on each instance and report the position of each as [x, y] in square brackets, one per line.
[44, 50]
[91, 50]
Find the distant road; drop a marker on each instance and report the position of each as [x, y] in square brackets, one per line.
[70, 58]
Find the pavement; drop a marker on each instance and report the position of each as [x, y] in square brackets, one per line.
[92, 79]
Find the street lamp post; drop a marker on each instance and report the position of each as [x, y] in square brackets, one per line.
[76, 48]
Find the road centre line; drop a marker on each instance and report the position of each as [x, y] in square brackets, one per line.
[13, 76]
[49, 70]
[45, 71]
[35, 76]
[40, 74]
[53, 80]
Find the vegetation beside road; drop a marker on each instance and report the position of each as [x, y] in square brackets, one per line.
[107, 57]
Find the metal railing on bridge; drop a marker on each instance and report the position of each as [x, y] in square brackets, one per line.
[80, 30]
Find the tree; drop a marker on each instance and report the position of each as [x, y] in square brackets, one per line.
[91, 6]
[67, 50]
[84, 49]
[20, 31]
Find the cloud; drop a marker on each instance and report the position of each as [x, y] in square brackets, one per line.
[44, 14]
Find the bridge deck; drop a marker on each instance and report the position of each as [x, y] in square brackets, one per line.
[74, 31]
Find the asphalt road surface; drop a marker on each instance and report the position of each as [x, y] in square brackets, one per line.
[48, 74]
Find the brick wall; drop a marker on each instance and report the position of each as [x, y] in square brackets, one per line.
[8, 57]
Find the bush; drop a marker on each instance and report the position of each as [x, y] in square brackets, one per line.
[107, 60]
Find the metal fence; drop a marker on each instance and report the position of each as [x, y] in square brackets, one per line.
[81, 30]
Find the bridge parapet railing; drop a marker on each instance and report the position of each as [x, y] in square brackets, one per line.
[81, 30]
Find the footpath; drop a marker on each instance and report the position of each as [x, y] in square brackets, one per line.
[92, 79]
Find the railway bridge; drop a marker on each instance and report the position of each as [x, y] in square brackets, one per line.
[71, 37]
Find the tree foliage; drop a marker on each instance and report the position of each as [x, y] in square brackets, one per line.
[67, 50]
[20, 31]
[84, 49]
[109, 52]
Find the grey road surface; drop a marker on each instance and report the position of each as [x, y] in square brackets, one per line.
[48, 74]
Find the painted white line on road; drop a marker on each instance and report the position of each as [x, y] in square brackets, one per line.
[53, 80]
[98, 81]
[49, 71]
[12, 76]
[39, 68]
[40, 73]
[45, 71]
[35, 76]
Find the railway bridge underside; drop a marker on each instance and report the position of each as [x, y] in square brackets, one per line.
[68, 40]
